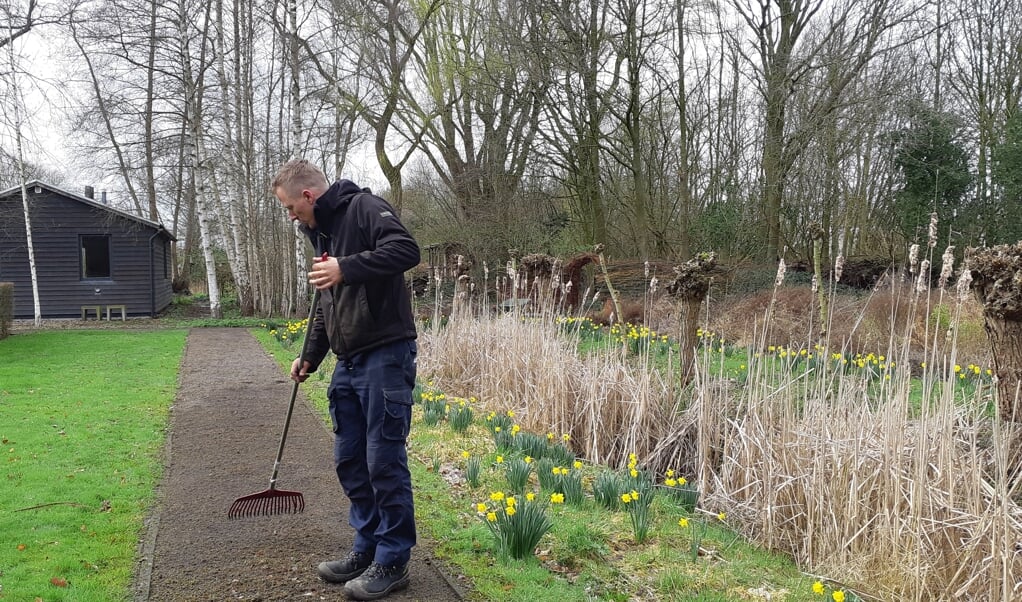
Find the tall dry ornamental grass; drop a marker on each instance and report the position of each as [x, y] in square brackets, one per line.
[902, 491]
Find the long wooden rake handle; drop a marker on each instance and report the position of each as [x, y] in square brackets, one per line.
[273, 500]
[294, 391]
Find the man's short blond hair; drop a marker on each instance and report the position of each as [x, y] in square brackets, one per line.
[297, 175]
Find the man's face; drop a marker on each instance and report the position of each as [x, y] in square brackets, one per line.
[298, 207]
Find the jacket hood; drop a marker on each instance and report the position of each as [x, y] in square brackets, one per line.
[335, 199]
[337, 196]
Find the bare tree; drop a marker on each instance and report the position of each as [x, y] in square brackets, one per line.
[583, 81]
[987, 83]
[487, 86]
[107, 119]
[382, 53]
[787, 50]
[20, 24]
[639, 28]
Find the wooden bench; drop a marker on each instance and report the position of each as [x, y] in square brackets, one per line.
[120, 308]
[87, 309]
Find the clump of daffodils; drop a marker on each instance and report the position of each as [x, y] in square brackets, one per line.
[434, 405]
[459, 414]
[517, 472]
[837, 595]
[568, 483]
[679, 488]
[637, 506]
[517, 525]
[289, 333]
[473, 466]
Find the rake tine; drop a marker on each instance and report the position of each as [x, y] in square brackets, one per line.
[267, 503]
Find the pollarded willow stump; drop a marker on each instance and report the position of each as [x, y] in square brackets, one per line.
[690, 286]
[997, 282]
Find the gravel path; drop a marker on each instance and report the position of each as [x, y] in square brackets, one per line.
[225, 427]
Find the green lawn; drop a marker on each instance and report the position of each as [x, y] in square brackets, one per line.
[82, 422]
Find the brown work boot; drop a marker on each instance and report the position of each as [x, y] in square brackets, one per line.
[345, 569]
[377, 582]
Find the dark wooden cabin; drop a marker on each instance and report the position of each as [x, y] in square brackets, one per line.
[91, 260]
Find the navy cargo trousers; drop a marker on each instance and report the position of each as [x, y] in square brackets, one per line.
[371, 409]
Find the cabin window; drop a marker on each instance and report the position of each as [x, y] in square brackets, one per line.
[95, 256]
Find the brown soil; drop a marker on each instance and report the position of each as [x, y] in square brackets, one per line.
[225, 428]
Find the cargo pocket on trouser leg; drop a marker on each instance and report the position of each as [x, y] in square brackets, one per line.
[397, 417]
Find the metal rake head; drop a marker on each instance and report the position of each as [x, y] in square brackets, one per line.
[266, 503]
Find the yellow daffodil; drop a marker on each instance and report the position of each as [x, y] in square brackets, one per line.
[480, 507]
[465, 454]
[530, 496]
[496, 496]
[683, 522]
[500, 459]
[626, 497]
[818, 588]
[721, 516]
[556, 498]
[839, 596]
[491, 516]
[670, 482]
[510, 511]
[577, 465]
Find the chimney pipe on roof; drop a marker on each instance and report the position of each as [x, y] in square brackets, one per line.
[90, 192]
[102, 197]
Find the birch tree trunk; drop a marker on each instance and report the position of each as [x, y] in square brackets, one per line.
[15, 97]
[298, 145]
[150, 157]
[194, 144]
[235, 236]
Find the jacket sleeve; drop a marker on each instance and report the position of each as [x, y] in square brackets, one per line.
[391, 249]
[319, 344]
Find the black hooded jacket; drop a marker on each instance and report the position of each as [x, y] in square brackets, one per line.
[371, 307]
